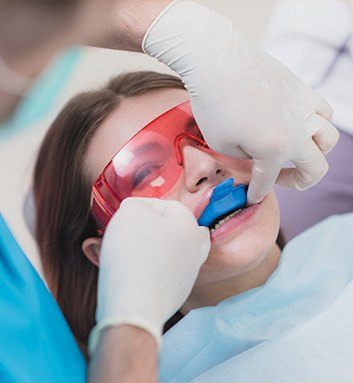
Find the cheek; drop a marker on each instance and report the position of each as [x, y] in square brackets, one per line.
[179, 193]
[247, 250]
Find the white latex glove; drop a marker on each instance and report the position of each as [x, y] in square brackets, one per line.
[246, 103]
[151, 254]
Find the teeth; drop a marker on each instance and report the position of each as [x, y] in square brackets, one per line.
[222, 221]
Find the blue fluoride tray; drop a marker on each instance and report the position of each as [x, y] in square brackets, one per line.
[225, 198]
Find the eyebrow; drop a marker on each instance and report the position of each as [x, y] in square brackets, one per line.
[149, 146]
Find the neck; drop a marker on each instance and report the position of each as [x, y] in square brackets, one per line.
[212, 293]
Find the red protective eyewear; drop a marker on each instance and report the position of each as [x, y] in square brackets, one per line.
[148, 165]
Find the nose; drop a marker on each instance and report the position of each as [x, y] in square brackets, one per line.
[201, 169]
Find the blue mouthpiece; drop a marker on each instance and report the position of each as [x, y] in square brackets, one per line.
[225, 198]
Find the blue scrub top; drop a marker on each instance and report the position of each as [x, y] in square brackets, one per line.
[37, 345]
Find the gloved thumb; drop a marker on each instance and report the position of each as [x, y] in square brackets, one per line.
[206, 243]
[264, 175]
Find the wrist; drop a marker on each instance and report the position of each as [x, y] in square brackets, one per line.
[186, 33]
[131, 19]
[127, 332]
[125, 353]
[146, 326]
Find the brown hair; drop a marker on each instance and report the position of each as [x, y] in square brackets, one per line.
[62, 194]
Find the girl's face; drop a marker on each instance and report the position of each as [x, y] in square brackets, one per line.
[236, 247]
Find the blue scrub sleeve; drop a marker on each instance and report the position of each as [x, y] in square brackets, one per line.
[37, 345]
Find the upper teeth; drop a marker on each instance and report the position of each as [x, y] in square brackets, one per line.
[227, 218]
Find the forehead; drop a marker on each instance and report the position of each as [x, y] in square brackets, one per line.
[126, 120]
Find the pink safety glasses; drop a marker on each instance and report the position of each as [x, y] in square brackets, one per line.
[148, 165]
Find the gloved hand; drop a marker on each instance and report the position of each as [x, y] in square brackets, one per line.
[246, 103]
[151, 254]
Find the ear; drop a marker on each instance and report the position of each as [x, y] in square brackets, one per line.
[91, 248]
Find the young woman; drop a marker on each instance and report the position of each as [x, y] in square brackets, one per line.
[81, 141]
[245, 251]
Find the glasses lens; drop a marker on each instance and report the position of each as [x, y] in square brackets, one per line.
[147, 165]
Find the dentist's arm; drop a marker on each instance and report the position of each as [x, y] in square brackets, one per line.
[151, 255]
[124, 30]
[130, 20]
[125, 354]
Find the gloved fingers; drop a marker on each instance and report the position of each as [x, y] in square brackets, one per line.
[231, 151]
[324, 134]
[322, 107]
[171, 208]
[205, 244]
[179, 212]
[143, 208]
[160, 206]
[157, 205]
[136, 201]
[307, 172]
[166, 208]
[264, 175]
[163, 207]
[238, 152]
[205, 231]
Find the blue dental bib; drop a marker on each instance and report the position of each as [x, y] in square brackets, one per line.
[225, 198]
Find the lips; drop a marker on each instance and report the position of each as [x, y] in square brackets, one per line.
[205, 199]
[203, 202]
[223, 209]
[225, 199]
[223, 219]
[235, 225]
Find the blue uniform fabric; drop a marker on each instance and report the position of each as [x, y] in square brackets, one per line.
[37, 345]
[43, 95]
[298, 327]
